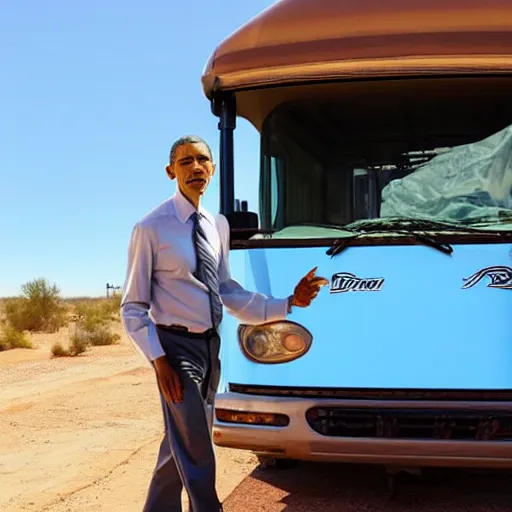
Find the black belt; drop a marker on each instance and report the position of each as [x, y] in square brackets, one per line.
[182, 330]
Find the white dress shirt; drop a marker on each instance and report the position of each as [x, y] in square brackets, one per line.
[160, 287]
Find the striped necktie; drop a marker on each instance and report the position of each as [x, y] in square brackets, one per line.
[207, 268]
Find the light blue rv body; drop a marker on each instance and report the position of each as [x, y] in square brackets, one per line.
[420, 330]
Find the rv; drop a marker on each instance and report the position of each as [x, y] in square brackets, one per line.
[385, 135]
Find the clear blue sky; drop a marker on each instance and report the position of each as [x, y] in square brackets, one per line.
[92, 94]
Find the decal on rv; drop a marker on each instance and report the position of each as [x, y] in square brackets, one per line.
[343, 282]
[500, 277]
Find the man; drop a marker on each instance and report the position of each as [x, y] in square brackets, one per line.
[178, 269]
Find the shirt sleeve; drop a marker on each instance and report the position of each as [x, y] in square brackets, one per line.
[249, 307]
[136, 301]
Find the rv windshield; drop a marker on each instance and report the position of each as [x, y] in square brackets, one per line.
[330, 162]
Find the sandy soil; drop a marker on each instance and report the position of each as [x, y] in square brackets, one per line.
[82, 433]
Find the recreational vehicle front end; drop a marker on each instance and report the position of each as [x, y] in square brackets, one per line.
[386, 162]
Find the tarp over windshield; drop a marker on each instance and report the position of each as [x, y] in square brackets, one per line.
[465, 183]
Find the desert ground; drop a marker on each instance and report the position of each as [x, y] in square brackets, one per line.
[80, 434]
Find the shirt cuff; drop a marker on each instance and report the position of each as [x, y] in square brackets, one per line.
[155, 349]
[277, 309]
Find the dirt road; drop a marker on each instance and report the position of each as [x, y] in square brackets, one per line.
[81, 435]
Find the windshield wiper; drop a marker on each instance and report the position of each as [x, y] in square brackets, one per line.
[342, 243]
[373, 226]
[416, 228]
[399, 226]
[408, 227]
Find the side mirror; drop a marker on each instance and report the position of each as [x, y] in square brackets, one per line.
[243, 223]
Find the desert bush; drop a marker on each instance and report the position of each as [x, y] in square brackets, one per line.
[93, 323]
[102, 337]
[58, 350]
[92, 319]
[111, 307]
[15, 312]
[76, 347]
[39, 308]
[90, 315]
[10, 337]
[97, 336]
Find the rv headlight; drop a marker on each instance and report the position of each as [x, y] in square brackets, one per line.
[276, 342]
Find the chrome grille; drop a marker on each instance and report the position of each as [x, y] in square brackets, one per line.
[411, 423]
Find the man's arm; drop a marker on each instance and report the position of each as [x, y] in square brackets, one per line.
[256, 308]
[137, 295]
[249, 307]
[135, 313]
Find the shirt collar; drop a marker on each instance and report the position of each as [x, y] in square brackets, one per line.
[184, 208]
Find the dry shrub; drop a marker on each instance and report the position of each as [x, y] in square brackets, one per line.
[76, 347]
[58, 350]
[101, 336]
[93, 323]
[10, 338]
[92, 327]
[38, 309]
[95, 335]
[111, 307]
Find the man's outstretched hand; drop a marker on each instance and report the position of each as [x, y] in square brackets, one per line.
[307, 289]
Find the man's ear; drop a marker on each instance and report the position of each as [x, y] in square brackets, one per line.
[214, 169]
[170, 171]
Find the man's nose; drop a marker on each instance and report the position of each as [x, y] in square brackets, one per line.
[196, 166]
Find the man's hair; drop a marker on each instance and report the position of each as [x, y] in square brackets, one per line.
[187, 139]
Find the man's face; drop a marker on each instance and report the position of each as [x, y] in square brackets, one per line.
[193, 168]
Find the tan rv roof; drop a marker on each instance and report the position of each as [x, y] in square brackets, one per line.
[295, 40]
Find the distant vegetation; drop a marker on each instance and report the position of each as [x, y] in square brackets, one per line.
[40, 308]
[12, 338]
[92, 320]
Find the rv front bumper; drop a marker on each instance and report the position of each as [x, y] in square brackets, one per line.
[315, 428]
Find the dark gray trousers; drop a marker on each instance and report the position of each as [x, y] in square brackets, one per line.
[186, 456]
